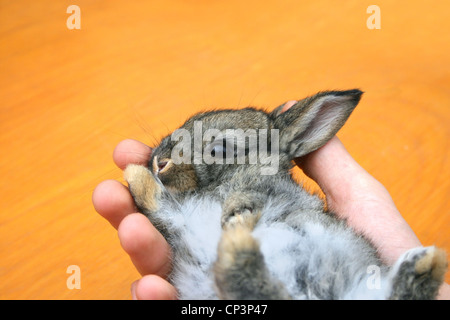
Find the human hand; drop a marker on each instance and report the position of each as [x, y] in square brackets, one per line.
[147, 248]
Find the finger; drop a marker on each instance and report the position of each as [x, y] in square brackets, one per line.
[147, 248]
[288, 104]
[113, 201]
[152, 287]
[338, 174]
[131, 151]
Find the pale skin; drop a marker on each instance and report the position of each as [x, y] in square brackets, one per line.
[350, 191]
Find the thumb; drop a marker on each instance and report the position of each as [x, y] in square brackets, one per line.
[353, 194]
[340, 177]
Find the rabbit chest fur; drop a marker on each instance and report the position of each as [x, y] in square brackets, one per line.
[241, 231]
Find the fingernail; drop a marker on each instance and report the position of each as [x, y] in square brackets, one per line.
[289, 104]
[133, 290]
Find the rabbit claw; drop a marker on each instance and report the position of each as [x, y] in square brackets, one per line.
[243, 217]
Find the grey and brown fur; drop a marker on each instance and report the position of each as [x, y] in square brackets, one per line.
[238, 234]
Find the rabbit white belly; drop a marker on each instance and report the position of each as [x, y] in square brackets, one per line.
[318, 262]
[314, 262]
[198, 224]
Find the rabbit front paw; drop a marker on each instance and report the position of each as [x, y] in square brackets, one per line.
[240, 205]
[143, 187]
[245, 218]
[232, 215]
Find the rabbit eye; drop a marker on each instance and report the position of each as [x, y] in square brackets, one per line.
[219, 149]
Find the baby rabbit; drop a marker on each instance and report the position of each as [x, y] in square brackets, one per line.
[220, 191]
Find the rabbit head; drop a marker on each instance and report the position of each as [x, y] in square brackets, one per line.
[212, 146]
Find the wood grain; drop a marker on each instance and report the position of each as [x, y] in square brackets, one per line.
[137, 69]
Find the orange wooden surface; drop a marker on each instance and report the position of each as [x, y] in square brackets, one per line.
[137, 69]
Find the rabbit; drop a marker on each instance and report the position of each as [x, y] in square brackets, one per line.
[240, 229]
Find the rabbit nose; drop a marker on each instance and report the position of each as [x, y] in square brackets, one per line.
[160, 166]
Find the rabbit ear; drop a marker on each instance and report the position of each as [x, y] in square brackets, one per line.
[311, 122]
